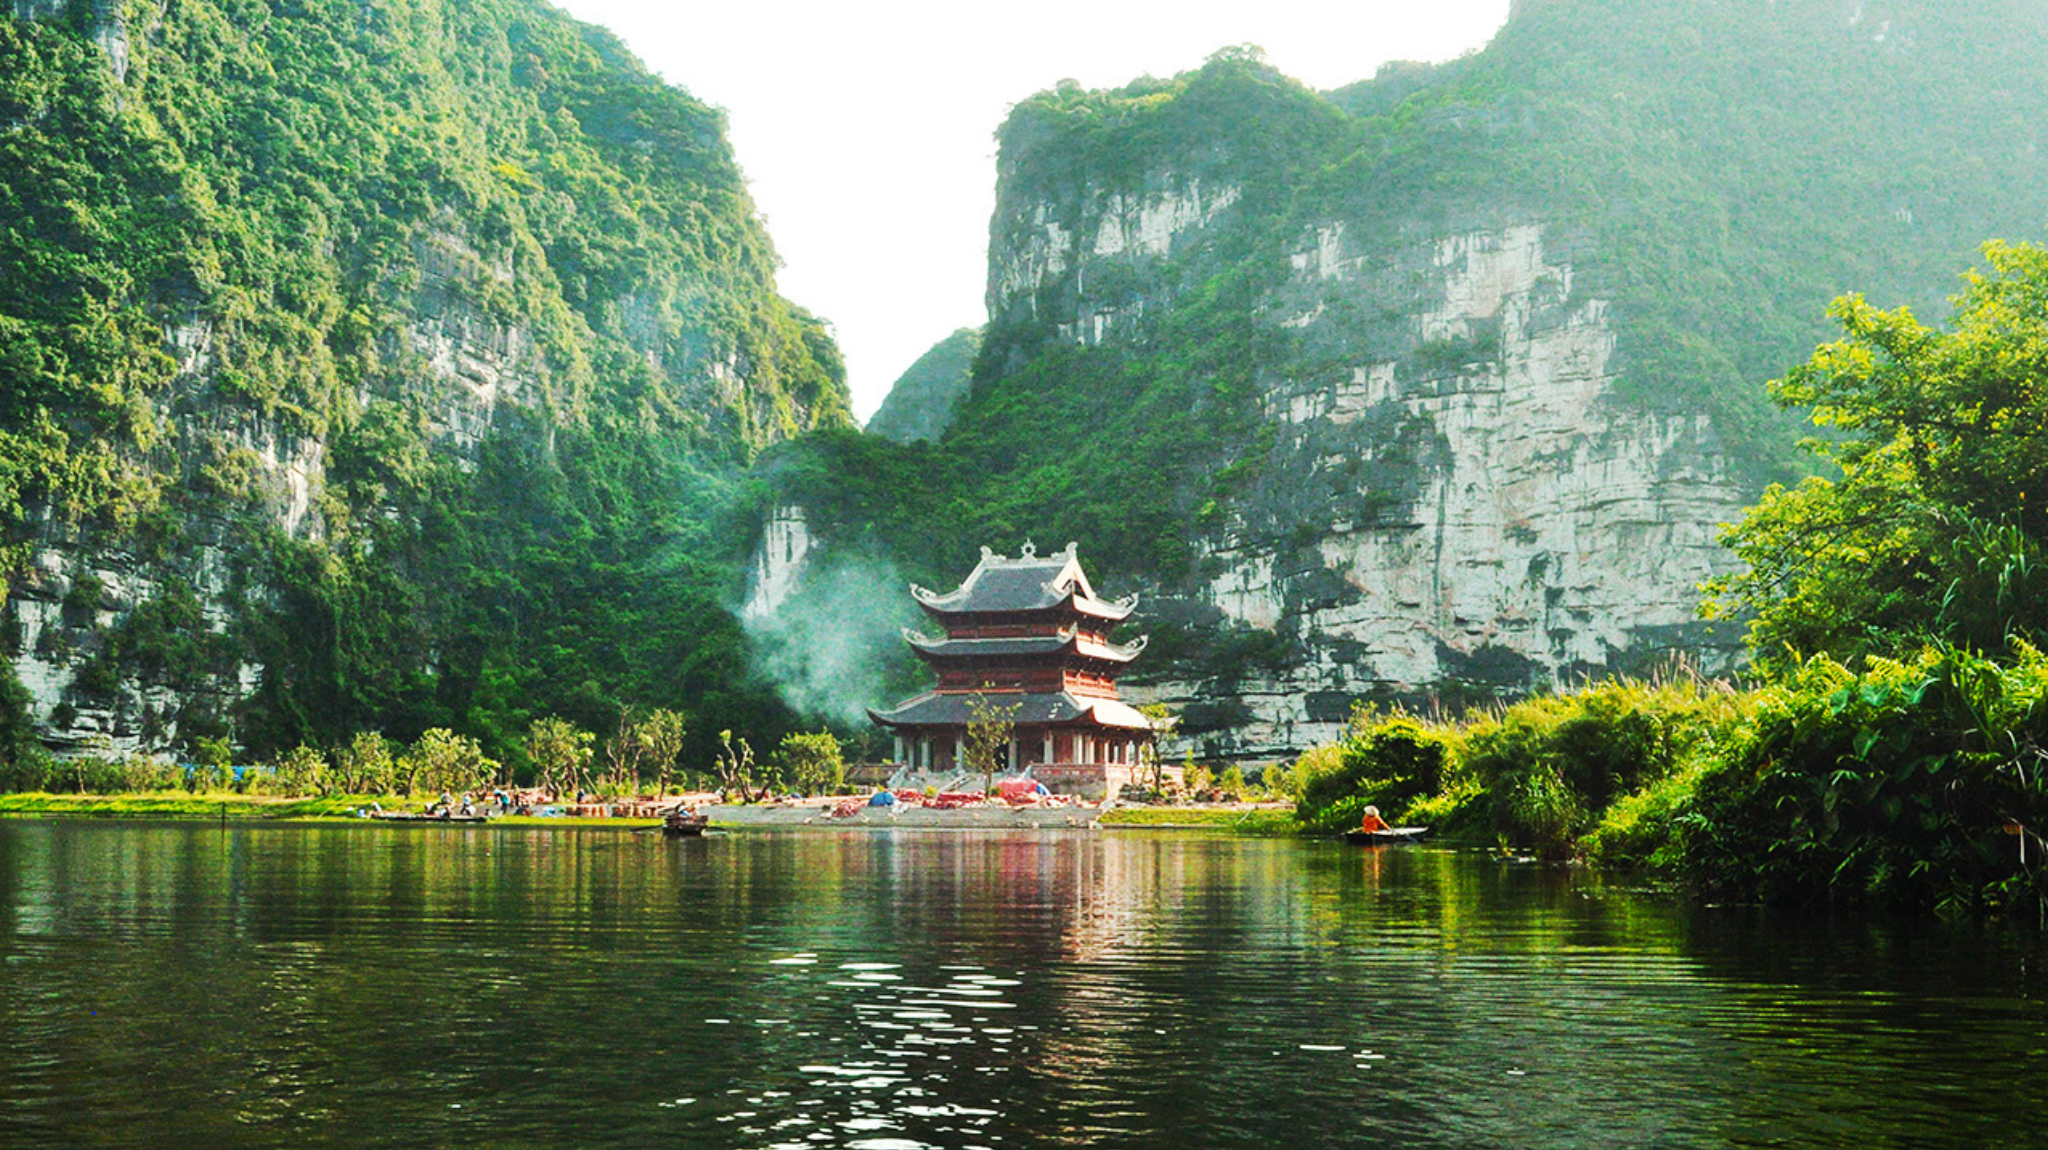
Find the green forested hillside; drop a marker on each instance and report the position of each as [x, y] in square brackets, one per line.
[920, 403]
[499, 289]
[1713, 172]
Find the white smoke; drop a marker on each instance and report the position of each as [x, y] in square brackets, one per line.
[833, 645]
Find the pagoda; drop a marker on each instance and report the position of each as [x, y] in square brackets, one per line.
[1029, 638]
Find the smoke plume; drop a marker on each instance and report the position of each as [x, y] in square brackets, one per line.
[833, 646]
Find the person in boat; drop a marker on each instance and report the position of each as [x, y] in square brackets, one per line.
[1373, 822]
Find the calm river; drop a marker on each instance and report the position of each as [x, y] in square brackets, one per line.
[186, 986]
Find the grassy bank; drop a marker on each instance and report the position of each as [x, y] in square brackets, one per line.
[178, 805]
[249, 808]
[1262, 822]
[213, 806]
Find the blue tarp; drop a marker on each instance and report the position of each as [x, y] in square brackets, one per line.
[882, 799]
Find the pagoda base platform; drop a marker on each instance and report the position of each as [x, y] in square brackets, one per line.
[1095, 782]
[1092, 781]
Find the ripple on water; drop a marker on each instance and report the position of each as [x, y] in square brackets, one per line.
[1445, 1002]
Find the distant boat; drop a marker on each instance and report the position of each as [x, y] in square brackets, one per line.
[1389, 837]
[680, 824]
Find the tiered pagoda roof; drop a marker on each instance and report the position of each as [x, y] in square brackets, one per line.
[935, 709]
[1028, 584]
[1030, 635]
[1071, 641]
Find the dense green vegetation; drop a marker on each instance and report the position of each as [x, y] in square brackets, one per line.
[920, 403]
[1894, 746]
[643, 756]
[277, 229]
[1930, 519]
[1716, 172]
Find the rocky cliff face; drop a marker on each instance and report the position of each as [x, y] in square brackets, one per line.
[1454, 500]
[1489, 519]
[1439, 386]
[357, 378]
[84, 582]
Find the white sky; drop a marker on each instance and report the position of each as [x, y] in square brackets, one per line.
[867, 130]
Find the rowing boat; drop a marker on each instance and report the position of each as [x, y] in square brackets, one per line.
[1388, 837]
[680, 825]
[415, 817]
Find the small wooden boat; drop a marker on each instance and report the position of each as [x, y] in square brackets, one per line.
[682, 824]
[417, 817]
[1388, 837]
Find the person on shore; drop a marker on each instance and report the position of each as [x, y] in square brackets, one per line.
[1373, 822]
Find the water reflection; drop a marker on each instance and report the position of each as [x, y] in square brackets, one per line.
[327, 986]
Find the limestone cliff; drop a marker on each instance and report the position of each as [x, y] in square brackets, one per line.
[1488, 520]
[411, 331]
[1440, 386]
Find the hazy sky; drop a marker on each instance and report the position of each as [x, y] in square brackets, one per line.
[867, 130]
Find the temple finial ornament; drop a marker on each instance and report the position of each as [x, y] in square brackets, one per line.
[986, 554]
[1030, 550]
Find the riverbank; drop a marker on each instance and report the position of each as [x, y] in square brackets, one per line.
[1262, 820]
[176, 805]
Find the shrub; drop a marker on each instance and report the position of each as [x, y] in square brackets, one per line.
[365, 766]
[811, 763]
[1895, 784]
[443, 761]
[1643, 829]
[299, 772]
[1232, 783]
[1551, 766]
[1385, 762]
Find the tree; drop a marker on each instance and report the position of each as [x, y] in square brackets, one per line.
[215, 758]
[444, 761]
[560, 754]
[365, 765]
[660, 735]
[302, 771]
[1163, 722]
[812, 763]
[989, 727]
[735, 764]
[1932, 520]
[625, 752]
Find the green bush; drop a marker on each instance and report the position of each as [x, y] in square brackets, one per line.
[1644, 829]
[28, 770]
[810, 763]
[1550, 767]
[1231, 783]
[1895, 784]
[1386, 762]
